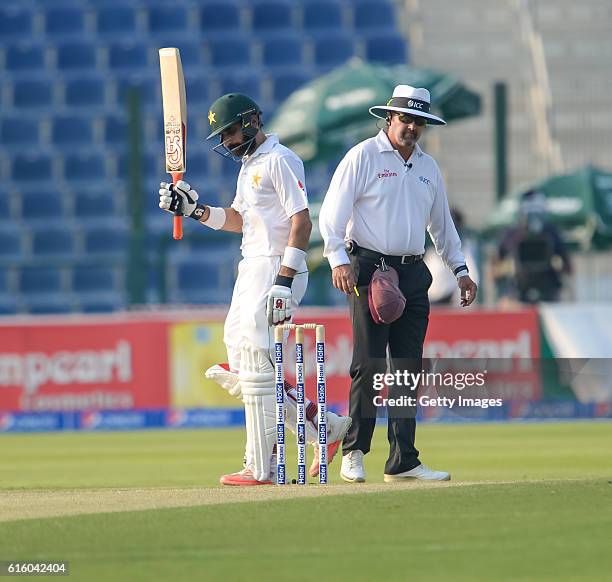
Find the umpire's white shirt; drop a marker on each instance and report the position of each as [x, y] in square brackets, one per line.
[270, 190]
[386, 204]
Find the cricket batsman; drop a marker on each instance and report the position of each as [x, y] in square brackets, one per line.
[270, 210]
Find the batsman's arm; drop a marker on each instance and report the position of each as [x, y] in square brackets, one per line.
[299, 235]
[231, 223]
[280, 305]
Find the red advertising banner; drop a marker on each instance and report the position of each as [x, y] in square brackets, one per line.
[112, 363]
[483, 334]
[83, 366]
[507, 343]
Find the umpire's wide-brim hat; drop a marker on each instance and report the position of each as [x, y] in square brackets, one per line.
[412, 100]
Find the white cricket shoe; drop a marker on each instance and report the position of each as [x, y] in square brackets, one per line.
[420, 473]
[352, 467]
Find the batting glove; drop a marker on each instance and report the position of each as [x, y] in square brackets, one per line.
[280, 304]
[178, 196]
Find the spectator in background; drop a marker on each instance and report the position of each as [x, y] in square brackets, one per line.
[443, 290]
[532, 257]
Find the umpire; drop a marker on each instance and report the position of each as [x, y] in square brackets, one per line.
[384, 195]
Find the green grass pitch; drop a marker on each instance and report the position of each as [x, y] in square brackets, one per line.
[530, 502]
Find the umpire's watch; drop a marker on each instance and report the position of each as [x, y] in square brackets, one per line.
[461, 271]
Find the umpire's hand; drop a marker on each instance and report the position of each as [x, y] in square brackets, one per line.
[343, 278]
[468, 290]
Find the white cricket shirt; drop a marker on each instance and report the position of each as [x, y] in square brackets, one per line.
[387, 204]
[270, 190]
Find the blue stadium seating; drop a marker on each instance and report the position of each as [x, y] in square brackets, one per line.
[93, 278]
[101, 302]
[64, 21]
[18, 131]
[322, 15]
[32, 168]
[386, 48]
[127, 56]
[229, 52]
[86, 92]
[42, 204]
[86, 167]
[227, 171]
[115, 21]
[204, 277]
[25, 57]
[106, 240]
[11, 243]
[201, 279]
[104, 3]
[282, 51]
[32, 93]
[198, 90]
[70, 130]
[94, 204]
[49, 303]
[115, 129]
[271, 15]
[371, 14]
[150, 91]
[7, 200]
[8, 305]
[217, 17]
[64, 132]
[152, 163]
[76, 54]
[288, 82]
[333, 49]
[243, 82]
[197, 165]
[40, 279]
[168, 18]
[15, 22]
[53, 241]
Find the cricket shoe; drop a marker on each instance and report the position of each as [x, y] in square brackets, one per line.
[338, 427]
[352, 469]
[242, 478]
[245, 477]
[420, 473]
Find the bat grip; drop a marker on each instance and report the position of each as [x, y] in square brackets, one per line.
[177, 227]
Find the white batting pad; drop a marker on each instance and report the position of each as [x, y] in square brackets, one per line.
[258, 394]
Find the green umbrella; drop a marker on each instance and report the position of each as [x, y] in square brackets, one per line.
[579, 203]
[322, 118]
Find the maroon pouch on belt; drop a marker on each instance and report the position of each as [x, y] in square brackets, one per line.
[385, 298]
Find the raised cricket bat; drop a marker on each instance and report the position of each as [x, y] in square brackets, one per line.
[175, 120]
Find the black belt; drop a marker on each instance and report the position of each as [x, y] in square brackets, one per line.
[354, 249]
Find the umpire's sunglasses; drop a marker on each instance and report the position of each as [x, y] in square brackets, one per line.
[407, 119]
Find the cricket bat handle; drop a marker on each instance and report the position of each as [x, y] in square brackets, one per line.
[177, 230]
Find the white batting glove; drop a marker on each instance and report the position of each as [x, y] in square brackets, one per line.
[280, 306]
[179, 195]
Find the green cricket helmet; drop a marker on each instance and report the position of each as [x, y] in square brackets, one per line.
[229, 109]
